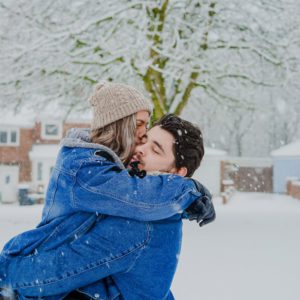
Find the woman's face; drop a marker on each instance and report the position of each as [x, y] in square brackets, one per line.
[142, 120]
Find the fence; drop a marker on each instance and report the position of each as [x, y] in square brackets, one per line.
[246, 175]
[293, 188]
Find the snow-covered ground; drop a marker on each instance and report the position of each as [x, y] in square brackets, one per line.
[251, 252]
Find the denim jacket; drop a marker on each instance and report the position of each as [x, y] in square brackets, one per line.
[75, 245]
[140, 258]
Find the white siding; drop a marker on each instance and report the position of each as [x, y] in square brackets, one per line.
[9, 179]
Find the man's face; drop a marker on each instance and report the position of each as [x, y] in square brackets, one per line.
[142, 120]
[156, 153]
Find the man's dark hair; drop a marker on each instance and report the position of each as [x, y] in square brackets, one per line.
[188, 147]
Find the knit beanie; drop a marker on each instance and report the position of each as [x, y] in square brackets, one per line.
[114, 101]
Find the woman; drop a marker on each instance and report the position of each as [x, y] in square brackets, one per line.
[90, 178]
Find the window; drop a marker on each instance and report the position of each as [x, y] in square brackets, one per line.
[7, 179]
[13, 136]
[51, 130]
[9, 137]
[3, 137]
[39, 171]
[51, 170]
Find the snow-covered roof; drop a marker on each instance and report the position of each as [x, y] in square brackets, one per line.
[44, 151]
[290, 150]
[244, 161]
[26, 117]
[214, 152]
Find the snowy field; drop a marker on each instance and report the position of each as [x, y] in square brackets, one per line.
[251, 252]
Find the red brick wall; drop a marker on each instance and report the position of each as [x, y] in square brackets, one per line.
[26, 142]
[19, 155]
[293, 188]
[38, 135]
[68, 126]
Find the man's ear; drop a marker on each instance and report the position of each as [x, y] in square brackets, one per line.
[181, 171]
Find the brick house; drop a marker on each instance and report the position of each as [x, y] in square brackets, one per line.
[28, 150]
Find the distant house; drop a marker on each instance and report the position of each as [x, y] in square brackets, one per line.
[286, 164]
[209, 172]
[28, 148]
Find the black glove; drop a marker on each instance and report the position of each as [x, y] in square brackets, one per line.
[202, 210]
[136, 171]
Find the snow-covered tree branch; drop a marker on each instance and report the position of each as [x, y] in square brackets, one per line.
[230, 53]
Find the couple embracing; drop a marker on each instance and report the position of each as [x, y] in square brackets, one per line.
[111, 226]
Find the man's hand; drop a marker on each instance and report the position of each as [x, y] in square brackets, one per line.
[134, 170]
[202, 210]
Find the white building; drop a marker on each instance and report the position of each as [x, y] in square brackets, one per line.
[43, 159]
[209, 172]
[286, 162]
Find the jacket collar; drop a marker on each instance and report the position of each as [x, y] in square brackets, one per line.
[80, 137]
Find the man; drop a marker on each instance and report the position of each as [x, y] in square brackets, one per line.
[139, 257]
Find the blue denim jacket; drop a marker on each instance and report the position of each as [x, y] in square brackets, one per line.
[75, 245]
[140, 257]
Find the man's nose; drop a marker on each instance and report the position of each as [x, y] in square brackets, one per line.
[140, 149]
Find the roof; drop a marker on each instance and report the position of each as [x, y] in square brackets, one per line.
[256, 162]
[290, 150]
[44, 151]
[26, 117]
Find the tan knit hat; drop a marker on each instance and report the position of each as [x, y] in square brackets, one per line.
[114, 101]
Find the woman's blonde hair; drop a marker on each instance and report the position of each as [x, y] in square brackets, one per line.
[119, 136]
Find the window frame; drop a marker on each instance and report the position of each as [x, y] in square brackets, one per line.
[9, 131]
[46, 136]
[39, 171]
